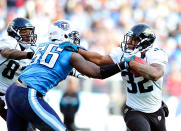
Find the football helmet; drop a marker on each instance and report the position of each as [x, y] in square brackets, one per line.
[62, 31]
[138, 39]
[22, 24]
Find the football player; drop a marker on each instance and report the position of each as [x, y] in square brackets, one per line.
[15, 52]
[144, 110]
[51, 63]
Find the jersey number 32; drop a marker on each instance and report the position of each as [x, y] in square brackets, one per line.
[137, 86]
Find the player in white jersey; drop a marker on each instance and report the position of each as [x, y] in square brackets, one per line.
[16, 50]
[144, 110]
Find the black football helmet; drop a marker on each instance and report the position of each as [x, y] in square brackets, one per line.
[18, 24]
[141, 33]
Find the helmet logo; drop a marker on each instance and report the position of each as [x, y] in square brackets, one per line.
[11, 24]
[130, 33]
[148, 31]
[28, 24]
[63, 25]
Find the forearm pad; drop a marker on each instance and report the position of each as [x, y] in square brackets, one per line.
[109, 70]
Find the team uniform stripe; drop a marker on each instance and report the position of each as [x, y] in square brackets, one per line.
[48, 118]
[156, 85]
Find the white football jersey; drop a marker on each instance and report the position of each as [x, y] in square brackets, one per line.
[142, 94]
[10, 69]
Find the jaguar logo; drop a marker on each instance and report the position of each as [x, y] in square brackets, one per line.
[11, 23]
[148, 31]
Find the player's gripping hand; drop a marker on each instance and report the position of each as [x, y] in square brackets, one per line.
[125, 63]
[70, 46]
[127, 59]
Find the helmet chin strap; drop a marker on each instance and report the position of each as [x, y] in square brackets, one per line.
[141, 48]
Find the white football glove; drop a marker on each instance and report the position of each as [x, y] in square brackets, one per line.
[77, 74]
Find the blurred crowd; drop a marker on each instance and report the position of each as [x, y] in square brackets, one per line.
[102, 25]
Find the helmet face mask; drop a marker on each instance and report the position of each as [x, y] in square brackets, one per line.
[74, 35]
[62, 31]
[23, 31]
[129, 43]
[138, 39]
[28, 35]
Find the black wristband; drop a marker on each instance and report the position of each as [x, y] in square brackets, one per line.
[2, 94]
[29, 55]
[109, 70]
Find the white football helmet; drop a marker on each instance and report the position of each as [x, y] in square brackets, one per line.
[62, 31]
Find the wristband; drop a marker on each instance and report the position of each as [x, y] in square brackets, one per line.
[29, 55]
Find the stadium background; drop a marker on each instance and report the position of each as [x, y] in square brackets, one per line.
[102, 24]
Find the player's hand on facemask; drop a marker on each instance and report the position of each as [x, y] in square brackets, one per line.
[70, 46]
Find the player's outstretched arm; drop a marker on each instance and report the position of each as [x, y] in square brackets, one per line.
[96, 57]
[92, 70]
[16, 54]
[150, 72]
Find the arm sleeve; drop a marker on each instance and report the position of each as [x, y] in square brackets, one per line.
[110, 70]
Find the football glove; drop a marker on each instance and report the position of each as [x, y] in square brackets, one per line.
[76, 74]
[129, 58]
[124, 64]
[69, 46]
